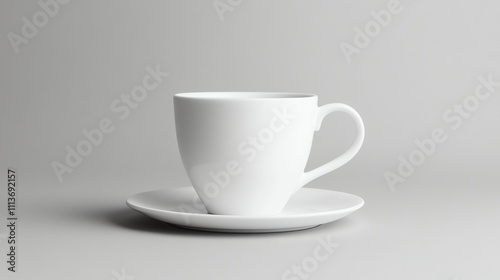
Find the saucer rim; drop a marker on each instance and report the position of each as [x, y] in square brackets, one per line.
[244, 224]
[351, 209]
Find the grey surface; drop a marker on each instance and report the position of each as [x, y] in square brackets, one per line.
[422, 232]
[441, 223]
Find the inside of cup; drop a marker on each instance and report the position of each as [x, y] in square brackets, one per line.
[239, 95]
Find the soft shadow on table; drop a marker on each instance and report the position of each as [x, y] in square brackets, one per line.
[127, 218]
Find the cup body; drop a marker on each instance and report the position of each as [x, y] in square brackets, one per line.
[244, 152]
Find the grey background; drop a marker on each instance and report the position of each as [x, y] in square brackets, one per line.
[441, 223]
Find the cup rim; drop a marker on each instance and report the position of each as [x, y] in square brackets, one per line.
[242, 95]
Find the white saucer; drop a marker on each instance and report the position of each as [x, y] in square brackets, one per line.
[306, 209]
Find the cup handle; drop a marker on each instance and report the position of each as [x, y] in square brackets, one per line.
[347, 155]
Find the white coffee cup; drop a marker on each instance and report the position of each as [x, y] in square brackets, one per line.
[245, 152]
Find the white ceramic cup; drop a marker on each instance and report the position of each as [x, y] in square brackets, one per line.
[245, 152]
